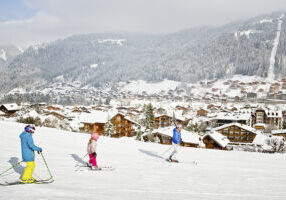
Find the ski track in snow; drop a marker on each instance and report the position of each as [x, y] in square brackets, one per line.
[271, 75]
[139, 173]
[3, 55]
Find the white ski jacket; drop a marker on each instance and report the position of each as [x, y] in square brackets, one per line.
[91, 147]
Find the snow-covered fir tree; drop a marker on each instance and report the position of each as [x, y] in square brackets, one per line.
[109, 128]
[149, 120]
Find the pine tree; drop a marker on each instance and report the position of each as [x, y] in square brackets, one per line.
[107, 101]
[149, 121]
[109, 128]
[139, 133]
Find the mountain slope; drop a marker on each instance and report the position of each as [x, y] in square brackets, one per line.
[200, 53]
[139, 173]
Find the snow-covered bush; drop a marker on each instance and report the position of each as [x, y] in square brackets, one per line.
[30, 120]
[277, 144]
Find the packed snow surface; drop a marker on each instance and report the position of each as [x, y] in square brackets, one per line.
[140, 172]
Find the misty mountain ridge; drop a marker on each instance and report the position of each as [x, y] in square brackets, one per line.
[242, 47]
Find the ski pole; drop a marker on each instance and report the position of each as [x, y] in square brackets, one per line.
[166, 150]
[47, 166]
[11, 167]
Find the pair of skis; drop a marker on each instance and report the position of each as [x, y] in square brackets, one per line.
[102, 168]
[20, 182]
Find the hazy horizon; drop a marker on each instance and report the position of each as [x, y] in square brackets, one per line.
[25, 22]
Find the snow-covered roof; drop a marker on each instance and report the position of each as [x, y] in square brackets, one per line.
[259, 124]
[131, 120]
[245, 127]
[187, 136]
[271, 113]
[219, 138]
[12, 106]
[96, 117]
[275, 132]
[233, 116]
[177, 116]
[260, 139]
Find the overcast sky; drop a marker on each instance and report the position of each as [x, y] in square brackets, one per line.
[24, 22]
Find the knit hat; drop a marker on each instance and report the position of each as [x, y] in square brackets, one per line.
[94, 136]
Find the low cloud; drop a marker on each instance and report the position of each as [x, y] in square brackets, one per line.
[56, 19]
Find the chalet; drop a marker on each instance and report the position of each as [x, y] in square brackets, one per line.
[94, 122]
[233, 109]
[165, 120]
[251, 95]
[164, 136]
[284, 118]
[182, 108]
[239, 117]
[215, 140]
[123, 125]
[57, 115]
[210, 106]
[10, 109]
[53, 108]
[269, 117]
[237, 132]
[202, 112]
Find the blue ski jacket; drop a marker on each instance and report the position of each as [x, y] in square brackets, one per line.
[176, 136]
[28, 147]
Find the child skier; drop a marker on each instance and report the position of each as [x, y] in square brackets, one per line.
[91, 150]
[28, 154]
[175, 142]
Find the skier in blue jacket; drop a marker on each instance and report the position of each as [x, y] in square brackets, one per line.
[28, 154]
[175, 142]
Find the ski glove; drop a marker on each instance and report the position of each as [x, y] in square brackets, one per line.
[94, 154]
[40, 151]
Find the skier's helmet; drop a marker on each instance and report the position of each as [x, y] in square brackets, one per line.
[30, 128]
[94, 136]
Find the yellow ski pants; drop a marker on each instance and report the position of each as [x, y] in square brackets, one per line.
[28, 172]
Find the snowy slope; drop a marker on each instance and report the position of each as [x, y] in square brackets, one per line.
[150, 88]
[271, 75]
[139, 173]
[3, 55]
